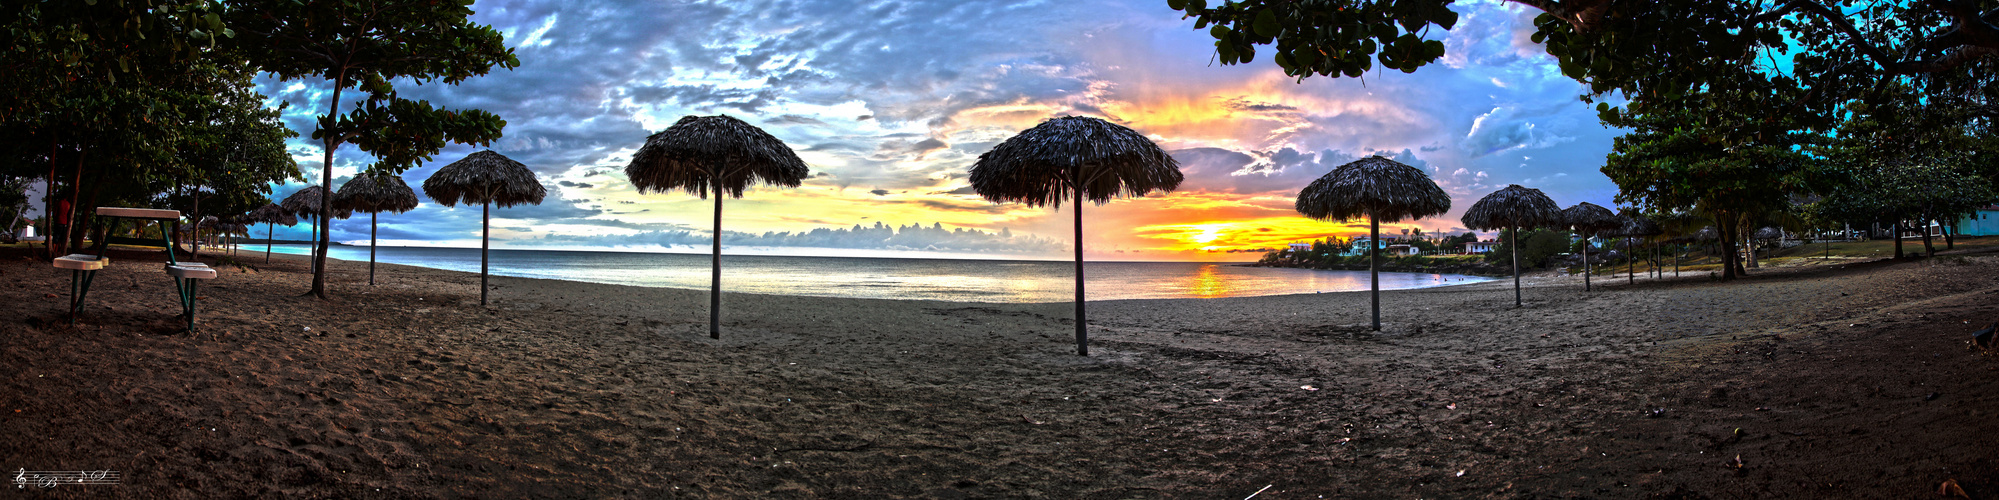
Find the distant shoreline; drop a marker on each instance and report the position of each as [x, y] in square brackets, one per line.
[1387, 266]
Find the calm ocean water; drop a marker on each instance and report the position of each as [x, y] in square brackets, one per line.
[884, 278]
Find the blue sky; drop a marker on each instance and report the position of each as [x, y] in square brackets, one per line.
[889, 104]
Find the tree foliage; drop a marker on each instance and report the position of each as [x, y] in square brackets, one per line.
[367, 45]
[1536, 247]
[1652, 48]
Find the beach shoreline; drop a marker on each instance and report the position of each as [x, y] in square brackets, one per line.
[409, 389]
[908, 278]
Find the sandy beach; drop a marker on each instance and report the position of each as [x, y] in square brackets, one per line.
[1852, 381]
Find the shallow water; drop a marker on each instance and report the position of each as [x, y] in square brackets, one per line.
[889, 278]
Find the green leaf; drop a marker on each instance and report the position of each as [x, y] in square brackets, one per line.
[1220, 32]
[1446, 18]
[1176, 4]
[1571, 69]
[1266, 23]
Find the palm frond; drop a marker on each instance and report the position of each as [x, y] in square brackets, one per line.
[695, 152]
[1374, 187]
[484, 177]
[308, 202]
[375, 192]
[1514, 206]
[1041, 165]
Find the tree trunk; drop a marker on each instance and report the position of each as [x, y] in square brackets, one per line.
[72, 235]
[1586, 264]
[1749, 243]
[49, 205]
[196, 234]
[96, 188]
[1898, 238]
[715, 263]
[1929, 250]
[325, 225]
[1726, 227]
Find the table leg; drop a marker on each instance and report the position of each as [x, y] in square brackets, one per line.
[188, 300]
[79, 286]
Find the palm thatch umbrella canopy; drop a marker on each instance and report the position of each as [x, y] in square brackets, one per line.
[1589, 220]
[271, 215]
[1637, 226]
[307, 203]
[488, 179]
[1379, 189]
[699, 154]
[375, 192]
[1074, 158]
[1513, 208]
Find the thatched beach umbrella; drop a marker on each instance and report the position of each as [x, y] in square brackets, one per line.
[307, 203]
[1590, 220]
[1513, 208]
[1379, 189]
[1074, 158]
[1637, 226]
[699, 154]
[375, 192]
[271, 215]
[230, 228]
[485, 178]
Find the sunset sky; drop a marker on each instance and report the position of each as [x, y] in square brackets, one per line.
[891, 103]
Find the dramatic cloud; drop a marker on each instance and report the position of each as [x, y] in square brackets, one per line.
[914, 237]
[890, 104]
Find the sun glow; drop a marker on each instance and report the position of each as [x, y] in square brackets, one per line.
[1208, 233]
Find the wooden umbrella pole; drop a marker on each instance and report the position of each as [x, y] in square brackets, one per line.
[1374, 267]
[1513, 238]
[371, 247]
[1586, 266]
[485, 238]
[715, 267]
[270, 231]
[1082, 327]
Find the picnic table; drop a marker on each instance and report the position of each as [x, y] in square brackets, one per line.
[83, 267]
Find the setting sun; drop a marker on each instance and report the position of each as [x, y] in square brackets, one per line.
[1208, 233]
